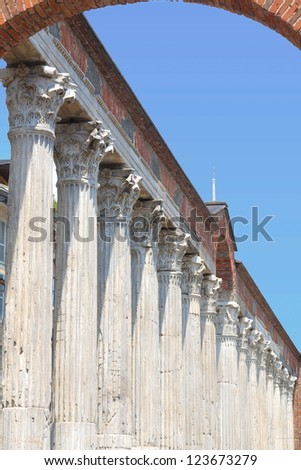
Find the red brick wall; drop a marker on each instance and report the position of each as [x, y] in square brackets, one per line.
[258, 307]
[19, 19]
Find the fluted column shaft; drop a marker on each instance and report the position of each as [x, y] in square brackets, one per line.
[227, 371]
[193, 268]
[118, 192]
[261, 394]
[290, 414]
[277, 406]
[245, 325]
[34, 96]
[283, 409]
[253, 412]
[79, 149]
[172, 248]
[147, 219]
[270, 407]
[208, 365]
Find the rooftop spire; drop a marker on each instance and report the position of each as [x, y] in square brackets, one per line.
[213, 186]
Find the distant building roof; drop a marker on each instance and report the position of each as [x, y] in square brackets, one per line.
[4, 171]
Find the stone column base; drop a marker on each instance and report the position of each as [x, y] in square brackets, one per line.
[113, 441]
[73, 436]
[26, 428]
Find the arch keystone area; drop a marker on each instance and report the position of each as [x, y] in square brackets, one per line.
[20, 19]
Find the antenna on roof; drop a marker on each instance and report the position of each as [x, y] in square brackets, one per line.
[213, 186]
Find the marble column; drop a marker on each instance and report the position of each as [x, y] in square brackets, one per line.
[290, 413]
[283, 408]
[79, 148]
[118, 192]
[244, 326]
[34, 96]
[277, 406]
[208, 425]
[261, 394]
[172, 246]
[270, 408]
[192, 269]
[227, 374]
[147, 220]
[253, 414]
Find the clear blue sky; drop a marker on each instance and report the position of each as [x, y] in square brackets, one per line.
[224, 92]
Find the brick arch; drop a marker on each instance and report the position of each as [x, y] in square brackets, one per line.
[20, 19]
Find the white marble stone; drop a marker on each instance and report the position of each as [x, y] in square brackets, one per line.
[193, 267]
[227, 374]
[147, 220]
[290, 413]
[253, 413]
[118, 192]
[277, 406]
[33, 96]
[79, 148]
[263, 348]
[172, 247]
[245, 325]
[270, 428]
[208, 425]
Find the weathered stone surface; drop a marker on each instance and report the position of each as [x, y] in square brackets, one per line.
[34, 96]
[192, 269]
[227, 374]
[172, 247]
[79, 148]
[118, 192]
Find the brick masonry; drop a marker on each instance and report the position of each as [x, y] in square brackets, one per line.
[19, 19]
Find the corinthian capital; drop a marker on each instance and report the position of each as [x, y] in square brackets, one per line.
[146, 223]
[291, 386]
[172, 247]
[244, 329]
[254, 338]
[227, 319]
[34, 95]
[79, 149]
[284, 380]
[277, 372]
[271, 361]
[193, 268]
[118, 191]
[263, 350]
[209, 292]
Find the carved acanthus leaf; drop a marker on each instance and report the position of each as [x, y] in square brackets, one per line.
[172, 247]
[254, 338]
[209, 293]
[227, 319]
[284, 380]
[263, 350]
[146, 223]
[192, 268]
[277, 372]
[271, 361]
[244, 328]
[34, 95]
[79, 149]
[291, 386]
[118, 191]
